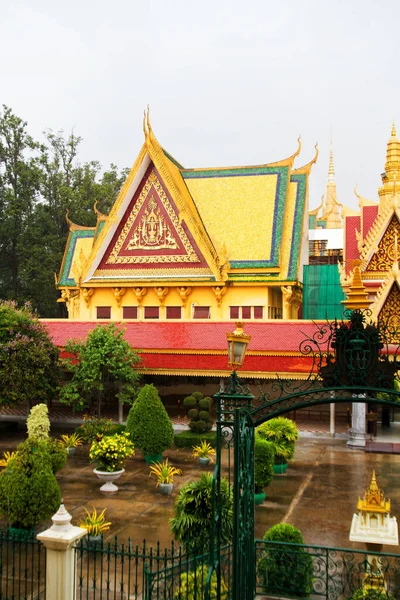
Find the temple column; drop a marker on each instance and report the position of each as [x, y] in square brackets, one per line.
[357, 431]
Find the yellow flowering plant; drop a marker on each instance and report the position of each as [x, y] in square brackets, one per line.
[95, 523]
[110, 452]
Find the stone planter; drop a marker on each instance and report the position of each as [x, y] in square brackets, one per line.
[166, 488]
[152, 458]
[280, 469]
[204, 461]
[259, 497]
[109, 486]
[71, 451]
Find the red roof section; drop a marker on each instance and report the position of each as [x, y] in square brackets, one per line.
[350, 246]
[266, 336]
[369, 215]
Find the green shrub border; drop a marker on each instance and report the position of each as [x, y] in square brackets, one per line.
[188, 439]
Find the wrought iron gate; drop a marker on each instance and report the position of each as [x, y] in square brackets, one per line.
[351, 361]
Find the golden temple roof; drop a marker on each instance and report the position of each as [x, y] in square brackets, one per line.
[373, 500]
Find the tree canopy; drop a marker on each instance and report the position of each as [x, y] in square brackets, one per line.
[39, 182]
[28, 358]
[103, 366]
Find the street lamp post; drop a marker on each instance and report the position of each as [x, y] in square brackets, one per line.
[230, 399]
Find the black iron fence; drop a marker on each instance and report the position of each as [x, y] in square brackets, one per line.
[22, 566]
[113, 571]
[294, 570]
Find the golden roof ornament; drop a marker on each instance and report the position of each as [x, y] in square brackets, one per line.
[331, 170]
[373, 499]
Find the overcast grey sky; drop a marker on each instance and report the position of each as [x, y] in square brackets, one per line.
[228, 83]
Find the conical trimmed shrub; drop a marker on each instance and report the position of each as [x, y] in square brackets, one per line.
[148, 423]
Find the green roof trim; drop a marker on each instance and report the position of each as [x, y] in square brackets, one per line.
[173, 160]
[65, 279]
[297, 231]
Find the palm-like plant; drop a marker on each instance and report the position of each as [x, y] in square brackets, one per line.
[204, 450]
[95, 523]
[283, 433]
[164, 472]
[7, 457]
[191, 523]
[71, 441]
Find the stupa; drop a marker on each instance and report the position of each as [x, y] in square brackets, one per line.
[373, 524]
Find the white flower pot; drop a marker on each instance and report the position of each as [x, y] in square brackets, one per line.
[108, 477]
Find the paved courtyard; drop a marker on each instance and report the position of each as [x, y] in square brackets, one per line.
[318, 494]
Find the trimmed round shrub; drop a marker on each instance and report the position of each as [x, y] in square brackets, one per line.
[205, 404]
[191, 523]
[29, 492]
[204, 415]
[285, 569]
[264, 455]
[198, 396]
[148, 423]
[197, 425]
[189, 401]
[193, 413]
[208, 426]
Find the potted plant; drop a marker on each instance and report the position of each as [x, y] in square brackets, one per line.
[283, 433]
[165, 474]
[7, 457]
[204, 452]
[95, 524]
[264, 454]
[29, 492]
[71, 442]
[149, 425]
[109, 454]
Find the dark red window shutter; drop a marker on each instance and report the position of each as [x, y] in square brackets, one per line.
[103, 312]
[246, 312]
[258, 312]
[151, 312]
[129, 312]
[174, 312]
[234, 312]
[201, 312]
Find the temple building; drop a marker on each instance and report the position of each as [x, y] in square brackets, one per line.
[371, 252]
[186, 244]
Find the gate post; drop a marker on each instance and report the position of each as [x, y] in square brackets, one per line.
[59, 541]
[358, 420]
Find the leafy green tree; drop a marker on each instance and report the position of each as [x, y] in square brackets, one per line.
[191, 523]
[264, 454]
[148, 422]
[29, 368]
[19, 187]
[283, 433]
[103, 366]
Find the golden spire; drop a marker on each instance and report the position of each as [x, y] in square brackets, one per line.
[392, 164]
[331, 172]
[357, 296]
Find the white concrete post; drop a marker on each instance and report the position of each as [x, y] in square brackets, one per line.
[357, 431]
[60, 555]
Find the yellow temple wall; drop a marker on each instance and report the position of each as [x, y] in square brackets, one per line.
[219, 301]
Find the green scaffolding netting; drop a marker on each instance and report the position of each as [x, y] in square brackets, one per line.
[322, 292]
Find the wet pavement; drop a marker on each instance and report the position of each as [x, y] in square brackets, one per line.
[317, 494]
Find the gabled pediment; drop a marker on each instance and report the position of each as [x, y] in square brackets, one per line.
[154, 230]
[379, 256]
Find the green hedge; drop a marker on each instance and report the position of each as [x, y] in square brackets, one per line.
[188, 439]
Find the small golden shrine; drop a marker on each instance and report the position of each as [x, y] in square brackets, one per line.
[373, 523]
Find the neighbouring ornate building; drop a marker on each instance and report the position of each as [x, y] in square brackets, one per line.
[371, 237]
[184, 244]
